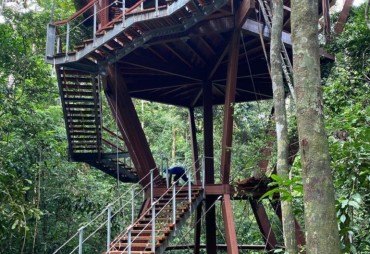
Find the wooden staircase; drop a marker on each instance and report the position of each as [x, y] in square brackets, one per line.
[141, 229]
[82, 108]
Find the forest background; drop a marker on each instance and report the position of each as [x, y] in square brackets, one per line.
[44, 198]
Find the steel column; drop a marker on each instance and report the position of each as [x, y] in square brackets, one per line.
[227, 134]
[194, 146]
[230, 233]
[103, 13]
[209, 168]
[264, 224]
[198, 226]
[129, 123]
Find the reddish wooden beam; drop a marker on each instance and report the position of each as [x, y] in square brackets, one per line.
[194, 146]
[243, 12]
[128, 123]
[230, 233]
[232, 73]
[264, 224]
[339, 26]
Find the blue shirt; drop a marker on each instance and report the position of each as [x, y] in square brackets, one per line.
[176, 170]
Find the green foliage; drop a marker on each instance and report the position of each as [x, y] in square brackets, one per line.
[287, 188]
[348, 109]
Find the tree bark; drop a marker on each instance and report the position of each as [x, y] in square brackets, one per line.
[319, 202]
[281, 122]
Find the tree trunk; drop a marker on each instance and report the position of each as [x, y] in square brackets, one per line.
[319, 202]
[281, 122]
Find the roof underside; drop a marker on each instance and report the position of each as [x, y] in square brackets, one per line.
[172, 69]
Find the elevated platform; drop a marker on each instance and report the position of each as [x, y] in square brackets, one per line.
[166, 53]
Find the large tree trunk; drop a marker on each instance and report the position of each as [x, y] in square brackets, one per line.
[281, 122]
[319, 202]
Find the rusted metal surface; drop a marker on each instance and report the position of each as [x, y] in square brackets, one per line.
[197, 229]
[245, 9]
[339, 26]
[194, 146]
[264, 224]
[229, 225]
[209, 166]
[129, 124]
[227, 133]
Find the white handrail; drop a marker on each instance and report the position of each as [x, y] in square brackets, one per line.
[109, 216]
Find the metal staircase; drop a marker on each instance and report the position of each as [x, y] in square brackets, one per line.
[81, 101]
[285, 60]
[153, 230]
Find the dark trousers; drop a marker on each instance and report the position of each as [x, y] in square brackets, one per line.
[178, 176]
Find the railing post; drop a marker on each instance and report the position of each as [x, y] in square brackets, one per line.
[203, 176]
[167, 179]
[153, 228]
[51, 40]
[129, 240]
[132, 205]
[123, 13]
[174, 204]
[151, 186]
[189, 186]
[67, 38]
[80, 239]
[156, 8]
[109, 221]
[94, 25]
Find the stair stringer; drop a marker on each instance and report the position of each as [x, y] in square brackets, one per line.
[181, 222]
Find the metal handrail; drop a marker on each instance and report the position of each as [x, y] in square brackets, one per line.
[155, 215]
[108, 221]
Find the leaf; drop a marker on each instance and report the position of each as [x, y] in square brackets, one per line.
[16, 222]
[342, 218]
[354, 204]
[357, 197]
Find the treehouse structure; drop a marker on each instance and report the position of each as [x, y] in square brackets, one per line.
[187, 53]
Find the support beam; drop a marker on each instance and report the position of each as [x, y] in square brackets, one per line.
[229, 225]
[243, 12]
[301, 241]
[194, 146]
[198, 227]
[264, 224]
[232, 73]
[209, 167]
[128, 123]
[342, 20]
[103, 13]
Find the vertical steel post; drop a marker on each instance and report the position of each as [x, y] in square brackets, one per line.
[174, 204]
[123, 13]
[129, 241]
[109, 221]
[167, 179]
[132, 205]
[151, 187]
[94, 25]
[189, 186]
[156, 8]
[67, 38]
[153, 228]
[80, 239]
[203, 177]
